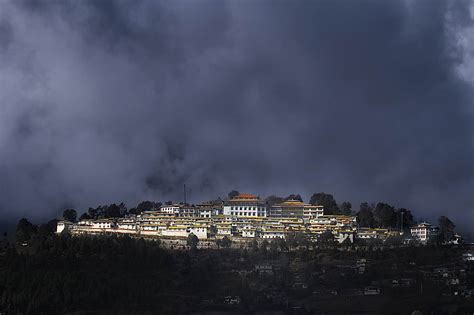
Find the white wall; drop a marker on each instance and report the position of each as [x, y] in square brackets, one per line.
[246, 210]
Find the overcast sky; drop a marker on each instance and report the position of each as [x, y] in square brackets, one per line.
[110, 101]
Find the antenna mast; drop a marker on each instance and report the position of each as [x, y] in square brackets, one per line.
[184, 193]
[401, 222]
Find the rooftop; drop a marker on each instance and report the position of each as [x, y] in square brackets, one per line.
[246, 197]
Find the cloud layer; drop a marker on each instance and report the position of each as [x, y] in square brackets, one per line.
[109, 101]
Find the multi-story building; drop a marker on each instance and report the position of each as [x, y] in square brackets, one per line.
[63, 226]
[334, 220]
[170, 209]
[273, 232]
[296, 208]
[103, 224]
[365, 233]
[207, 210]
[127, 224]
[205, 213]
[180, 210]
[224, 229]
[245, 205]
[424, 231]
[188, 211]
[249, 231]
[176, 231]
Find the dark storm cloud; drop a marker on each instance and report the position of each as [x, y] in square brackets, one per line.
[5, 34]
[104, 101]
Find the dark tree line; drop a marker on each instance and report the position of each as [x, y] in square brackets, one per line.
[294, 197]
[107, 211]
[383, 215]
[111, 211]
[446, 230]
[232, 194]
[274, 200]
[320, 199]
[63, 274]
[326, 200]
[120, 274]
[70, 215]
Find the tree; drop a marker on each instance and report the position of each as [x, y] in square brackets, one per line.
[213, 230]
[294, 197]
[254, 246]
[70, 215]
[346, 208]
[192, 241]
[93, 213]
[274, 244]
[346, 242]
[112, 211]
[25, 230]
[282, 243]
[326, 238]
[145, 206]
[273, 200]
[407, 217]
[232, 194]
[48, 228]
[85, 216]
[226, 242]
[134, 211]
[385, 215]
[291, 239]
[394, 240]
[327, 201]
[365, 216]
[123, 209]
[264, 245]
[302, 239]
[446, 229]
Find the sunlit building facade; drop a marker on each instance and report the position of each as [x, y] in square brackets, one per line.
[245, 205]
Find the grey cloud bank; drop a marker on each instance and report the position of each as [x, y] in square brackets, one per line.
[110, 101]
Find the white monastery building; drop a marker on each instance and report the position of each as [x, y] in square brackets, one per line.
[424, 231]
[245, 205]
[296, 209]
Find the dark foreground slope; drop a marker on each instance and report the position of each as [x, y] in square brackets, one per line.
[76, 275]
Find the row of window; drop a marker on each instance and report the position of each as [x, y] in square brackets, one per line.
[247, 214]
[248, 208]
[423, 231]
